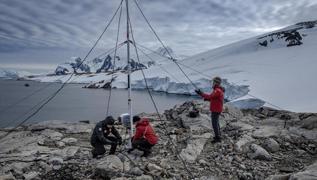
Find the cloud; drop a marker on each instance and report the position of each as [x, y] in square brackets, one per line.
[188, 27]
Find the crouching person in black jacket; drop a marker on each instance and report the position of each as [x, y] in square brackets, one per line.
[100, 137]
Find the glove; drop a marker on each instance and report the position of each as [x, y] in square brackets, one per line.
[198, 91]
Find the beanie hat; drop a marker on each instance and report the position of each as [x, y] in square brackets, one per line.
[110, 120]
[136, 119]
[217, 80]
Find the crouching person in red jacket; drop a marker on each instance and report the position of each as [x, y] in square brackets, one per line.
[216, 99]
[144, 138]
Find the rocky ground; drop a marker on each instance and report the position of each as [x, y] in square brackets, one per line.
[257, 144]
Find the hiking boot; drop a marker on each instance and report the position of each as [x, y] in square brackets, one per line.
[216, 140]
[94, 155]
[146, 153]
[112, 151]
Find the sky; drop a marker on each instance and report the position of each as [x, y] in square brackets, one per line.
[36, 35]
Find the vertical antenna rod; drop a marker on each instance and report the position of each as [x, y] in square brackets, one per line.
[129, 70]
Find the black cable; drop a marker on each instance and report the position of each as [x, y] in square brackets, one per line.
[114, 62]
[168, 59]
[152, 51]
[63, 85]
[110, 51]
[155, 106]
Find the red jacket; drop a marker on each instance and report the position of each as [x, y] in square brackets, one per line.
[215, 98]
[145, 130]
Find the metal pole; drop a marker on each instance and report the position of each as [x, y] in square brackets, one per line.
[129, 70]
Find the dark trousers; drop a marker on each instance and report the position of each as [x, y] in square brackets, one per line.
[143, 145]
[99, 147]
[215, 124]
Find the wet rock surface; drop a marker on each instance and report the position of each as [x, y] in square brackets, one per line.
[256, 144]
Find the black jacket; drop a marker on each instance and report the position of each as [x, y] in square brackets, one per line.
[101, 132]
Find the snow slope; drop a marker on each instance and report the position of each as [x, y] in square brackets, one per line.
[284, 76]
[253, 71]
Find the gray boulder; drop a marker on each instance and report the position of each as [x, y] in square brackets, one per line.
[32, 175]
[279, 177]
[56, 163]
[309, 123]
[20, 167]
[60, 144]
[308, 134]
[266, 132]
[109, 166]
[194, 147]
[70, 141]
[7, 176]
[120, 178]
[243, 142]
[153, 167]
[310, 173]
[136, 171]
[70, 128]
[257, 152]
[206, 178]
[66, 153]
[144, 177]
[164, 163]
[53, 135]
[45, 166]
[271, 145]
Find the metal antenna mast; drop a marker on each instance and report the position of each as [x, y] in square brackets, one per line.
[129, 71]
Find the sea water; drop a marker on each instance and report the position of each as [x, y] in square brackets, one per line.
[73, 103]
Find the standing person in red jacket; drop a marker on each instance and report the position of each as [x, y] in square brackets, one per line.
[216, 99]
[144, 138]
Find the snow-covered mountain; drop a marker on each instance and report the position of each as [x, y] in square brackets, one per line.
[273, 69]
[106, 63]
[97, 65]
[13, 74]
